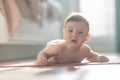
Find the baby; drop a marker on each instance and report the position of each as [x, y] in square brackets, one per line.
[73, 48]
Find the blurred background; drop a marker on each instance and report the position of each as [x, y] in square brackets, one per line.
[27, 25]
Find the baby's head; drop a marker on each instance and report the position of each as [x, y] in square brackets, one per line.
[76, 29]
[77, 17]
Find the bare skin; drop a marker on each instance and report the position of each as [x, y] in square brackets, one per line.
[72, 49]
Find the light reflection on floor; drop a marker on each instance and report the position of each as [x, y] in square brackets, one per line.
[84, 72]
[103, 72]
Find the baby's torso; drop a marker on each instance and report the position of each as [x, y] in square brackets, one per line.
[70, 57]
[66, 56]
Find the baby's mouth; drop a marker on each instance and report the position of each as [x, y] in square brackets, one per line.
[74, 41]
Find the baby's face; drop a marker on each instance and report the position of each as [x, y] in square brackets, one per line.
[75, 33]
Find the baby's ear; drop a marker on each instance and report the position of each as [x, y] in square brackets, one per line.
[87, 37]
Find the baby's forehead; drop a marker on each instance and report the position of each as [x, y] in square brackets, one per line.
[75, 24]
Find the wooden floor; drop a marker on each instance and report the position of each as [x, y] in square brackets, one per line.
[28, 70]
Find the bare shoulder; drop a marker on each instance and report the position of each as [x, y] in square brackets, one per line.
[86, 48]
[54, 46]
[55, 42]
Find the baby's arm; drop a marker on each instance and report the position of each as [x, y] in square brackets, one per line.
[95, 57]
[44, 55]
[42, 58]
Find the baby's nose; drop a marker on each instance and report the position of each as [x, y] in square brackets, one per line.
[74, 34]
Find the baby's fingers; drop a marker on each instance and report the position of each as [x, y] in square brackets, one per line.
[42, 61]
[104, 59]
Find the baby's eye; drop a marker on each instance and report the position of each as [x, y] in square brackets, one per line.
[70, 31]
[80, 32]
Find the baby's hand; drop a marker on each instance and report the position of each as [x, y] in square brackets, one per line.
[103, 59]
[42, 61]
[52, 60]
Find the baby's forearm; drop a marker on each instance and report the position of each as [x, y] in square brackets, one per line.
[43, 54]
[98, 58]
[93, 58]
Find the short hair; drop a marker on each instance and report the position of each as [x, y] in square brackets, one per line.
[77, 17]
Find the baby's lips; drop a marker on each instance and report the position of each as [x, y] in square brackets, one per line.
[73, 40]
